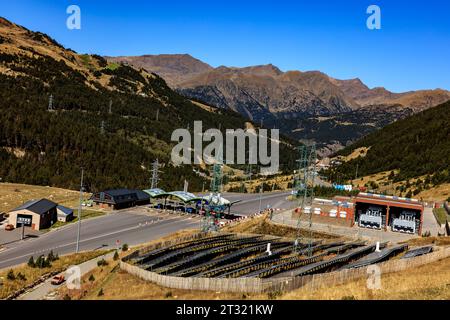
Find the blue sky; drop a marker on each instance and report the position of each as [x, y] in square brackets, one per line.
[410, 52]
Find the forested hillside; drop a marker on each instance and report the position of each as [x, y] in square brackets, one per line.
[138, 111]
[416, 146]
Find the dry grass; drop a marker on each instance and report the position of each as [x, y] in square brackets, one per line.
[119, 285]
[359, 152]
[8, 287]
[438, 193]
[431, 281]
[438, 241]
[262, 225]
[13, 195]
[255, 183]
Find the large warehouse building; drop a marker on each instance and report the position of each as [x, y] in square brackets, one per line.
[388, 213]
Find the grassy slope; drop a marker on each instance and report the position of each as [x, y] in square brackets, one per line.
[13, 195]
[8, 287]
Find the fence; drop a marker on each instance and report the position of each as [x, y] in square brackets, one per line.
[257, 285]
[313, 282]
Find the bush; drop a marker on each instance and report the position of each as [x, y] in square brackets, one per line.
[100, 293]
[11, 276]
[273, 295]
[348, 298]
[21, 277]
[116, 256]
[67, 297]
[102, 262]
[31, 263]
[125, 247]
[51, 257]
[41, 262]
[91, 278]
[168, 294]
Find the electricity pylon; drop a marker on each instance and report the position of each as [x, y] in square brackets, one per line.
[155, 174]
[50, 104]
[304, 189]
[214, 208]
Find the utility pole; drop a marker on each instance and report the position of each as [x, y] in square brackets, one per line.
[260, 197]
[79, 211]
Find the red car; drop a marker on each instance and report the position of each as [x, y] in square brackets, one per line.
[57, 280]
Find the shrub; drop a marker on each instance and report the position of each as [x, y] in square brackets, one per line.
[125, 247]
[67, 297]
[11, 276]
[348, 298]
[51, 256]
[91, 278]
[102, 262]
[21, 277]
[41, 262]
[273, 295]
[100, 293]
[168, 294]
[116, 256]
[31, 262]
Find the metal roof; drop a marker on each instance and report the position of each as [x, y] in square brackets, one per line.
[40, 206]
[64, 210]
[154, 192]
[121, 196]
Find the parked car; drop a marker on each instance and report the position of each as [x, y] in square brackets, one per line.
[9, 227]
[57, 280]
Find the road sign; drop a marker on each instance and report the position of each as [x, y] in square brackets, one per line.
[24, 220]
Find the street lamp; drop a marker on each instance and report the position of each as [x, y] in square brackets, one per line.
[79, 212]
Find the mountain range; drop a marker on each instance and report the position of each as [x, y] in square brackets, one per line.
[304, 105]
[61, 111]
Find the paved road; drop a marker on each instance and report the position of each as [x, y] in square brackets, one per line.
[131, 226]
[429, 222]
[98, 233]
[42, 290]
[249, 203]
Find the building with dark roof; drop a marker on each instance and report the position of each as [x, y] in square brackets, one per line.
[37, 214]
[64, 214]
[120, 198]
